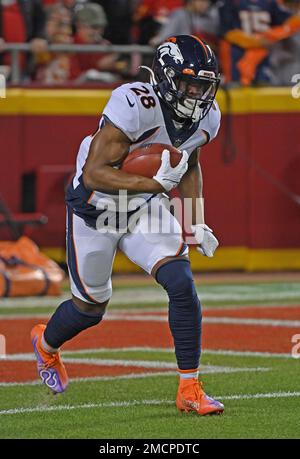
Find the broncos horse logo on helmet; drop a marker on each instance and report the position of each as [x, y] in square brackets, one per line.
[185, 76]
[172, 50]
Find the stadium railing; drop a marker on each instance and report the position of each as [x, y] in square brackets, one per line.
[16, 48]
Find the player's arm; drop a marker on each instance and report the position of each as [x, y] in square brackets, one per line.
[244, 40]
[109, 148]
[284, 31]
[191, 186]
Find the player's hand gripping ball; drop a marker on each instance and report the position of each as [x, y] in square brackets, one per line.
[152, 160]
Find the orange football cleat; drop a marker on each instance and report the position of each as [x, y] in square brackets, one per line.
[191, 397]
[50, 367]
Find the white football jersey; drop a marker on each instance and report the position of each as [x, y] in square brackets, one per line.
[137, 111]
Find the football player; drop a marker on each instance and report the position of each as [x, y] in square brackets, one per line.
[178, 108]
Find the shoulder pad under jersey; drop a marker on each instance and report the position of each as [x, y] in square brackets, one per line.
[211, 123]
[134, 108]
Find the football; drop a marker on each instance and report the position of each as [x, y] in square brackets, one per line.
[146, 160]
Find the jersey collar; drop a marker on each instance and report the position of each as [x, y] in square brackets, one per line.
[177, 136]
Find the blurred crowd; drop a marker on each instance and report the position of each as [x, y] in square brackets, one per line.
[257, 41]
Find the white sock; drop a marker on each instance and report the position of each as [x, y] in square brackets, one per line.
[48, 348]
[188, 374]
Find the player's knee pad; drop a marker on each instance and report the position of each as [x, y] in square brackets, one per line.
[92, 276]
[177, 279]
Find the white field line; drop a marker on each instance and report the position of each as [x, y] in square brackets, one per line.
[37, 382]
[98, 361]
[33, 301]
[160, 309]
[57, 300]
[148, 295]
[134, 363]
[131, 403]
[171, 350]
[212, 320]
[135, 311]
[249, 321]
[204, 369]
[88, 351]
[24, 316]
[207, 320]
[246, 353]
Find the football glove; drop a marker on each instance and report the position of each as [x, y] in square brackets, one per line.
[206, 240]
[169, 176]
